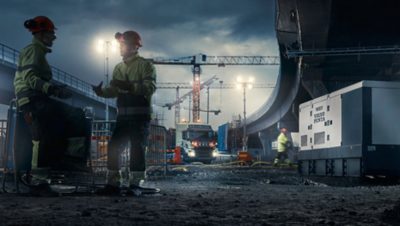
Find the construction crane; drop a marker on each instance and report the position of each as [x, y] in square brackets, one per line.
[216, 112]
[179, 99]
[208, 84]
[186, 85]
[220, 61]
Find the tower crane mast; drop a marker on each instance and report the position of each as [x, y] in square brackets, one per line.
[221, 61]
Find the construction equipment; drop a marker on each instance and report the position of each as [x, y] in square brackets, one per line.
[186, 85]
[351, 132]
[245, 157]
[180, 99]
[220, 61]
[196, 141]
[216, 112]
[208, 84]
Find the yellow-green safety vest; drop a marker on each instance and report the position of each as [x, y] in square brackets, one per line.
[33, 72]
[282, 140]
[141, 75]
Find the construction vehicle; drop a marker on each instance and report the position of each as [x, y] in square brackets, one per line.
[197, 142]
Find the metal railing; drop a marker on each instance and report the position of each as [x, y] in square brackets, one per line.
[9, 57]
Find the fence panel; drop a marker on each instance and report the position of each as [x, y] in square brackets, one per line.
[3, 135]
[155, 154]
[101, 134]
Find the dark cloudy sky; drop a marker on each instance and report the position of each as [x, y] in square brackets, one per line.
[169, 28]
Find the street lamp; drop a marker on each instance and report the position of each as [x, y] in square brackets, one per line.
[243, 84]
[105, 47]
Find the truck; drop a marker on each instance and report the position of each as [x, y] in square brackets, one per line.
[197, 142]
[353, 131]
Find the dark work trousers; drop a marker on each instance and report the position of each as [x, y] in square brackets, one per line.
[135, 131]
[282, 156]
[47, 122]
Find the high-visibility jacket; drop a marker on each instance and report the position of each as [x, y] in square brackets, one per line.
[282, 142]
[141, 75]
[33, 72]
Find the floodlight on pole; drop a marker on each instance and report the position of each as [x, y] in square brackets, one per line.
[104, 46]
[242, 84]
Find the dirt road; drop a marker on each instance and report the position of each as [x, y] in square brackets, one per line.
[218, 195]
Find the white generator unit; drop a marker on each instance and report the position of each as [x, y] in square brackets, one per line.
[354, 131]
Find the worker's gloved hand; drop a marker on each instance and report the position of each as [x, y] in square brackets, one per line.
[98, 89]
[124, 85]
[59, 91]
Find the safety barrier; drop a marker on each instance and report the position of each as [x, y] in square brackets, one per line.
[101, 135]
[3, 135]
[156, 155]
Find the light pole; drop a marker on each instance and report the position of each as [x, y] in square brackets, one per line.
[104, 47]
[242, 84]
[208, 104]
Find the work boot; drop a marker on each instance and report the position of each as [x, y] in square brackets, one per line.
[36, 177]
[39, 185]
[113, 186]
[136, 179]
[135, 190]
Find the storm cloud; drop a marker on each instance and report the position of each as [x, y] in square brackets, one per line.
[169, 28]
[248, 18]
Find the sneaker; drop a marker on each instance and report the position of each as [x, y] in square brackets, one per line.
[42, 190]
[109, 190]
[135, 190]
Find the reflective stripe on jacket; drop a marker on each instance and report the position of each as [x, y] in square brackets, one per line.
[33, 72]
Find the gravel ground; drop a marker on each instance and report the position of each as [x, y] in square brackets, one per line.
[219, 195]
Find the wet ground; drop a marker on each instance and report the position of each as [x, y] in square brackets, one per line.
[220, 195]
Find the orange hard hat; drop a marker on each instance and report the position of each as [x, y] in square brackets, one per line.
[129, 37]
[39, 24]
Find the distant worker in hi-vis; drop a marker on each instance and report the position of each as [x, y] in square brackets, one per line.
[283, 145]
[133, 84]
[33, 87]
